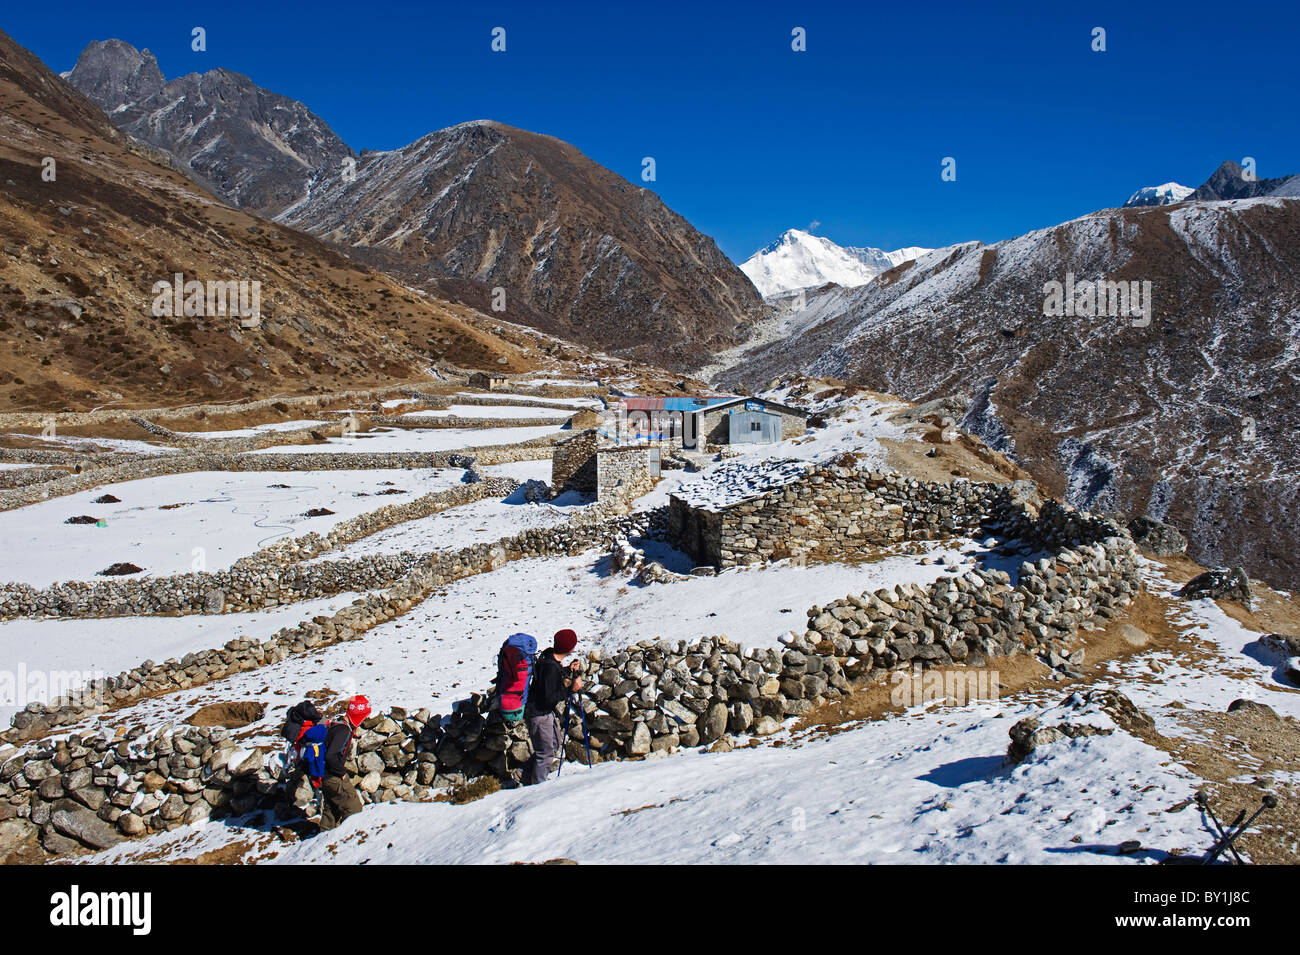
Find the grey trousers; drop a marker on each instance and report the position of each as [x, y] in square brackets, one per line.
[545, 732]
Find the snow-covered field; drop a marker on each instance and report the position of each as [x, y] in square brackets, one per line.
[413, 439]
[491, 411]
[122, 445]
[198, 521]
[479, 522]
[83, 650]
[594, 403]
[259, 429]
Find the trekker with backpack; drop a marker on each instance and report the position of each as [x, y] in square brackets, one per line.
[320, 750]
[551, 685]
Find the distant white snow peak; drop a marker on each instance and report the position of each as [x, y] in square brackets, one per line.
[800, 260]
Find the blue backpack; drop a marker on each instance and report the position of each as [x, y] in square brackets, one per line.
[311, 751]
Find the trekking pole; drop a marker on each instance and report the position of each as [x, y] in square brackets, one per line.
[568, 704]
[1223, 841]
[586, 737]
[1238, 827]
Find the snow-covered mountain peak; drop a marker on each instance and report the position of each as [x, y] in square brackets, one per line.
[1162, 195]
[799, 259]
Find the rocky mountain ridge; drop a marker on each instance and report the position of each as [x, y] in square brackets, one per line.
[1187, 416]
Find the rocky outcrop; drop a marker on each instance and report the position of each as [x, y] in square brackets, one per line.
[1221, 584]
[1157, 538]
[253, 148]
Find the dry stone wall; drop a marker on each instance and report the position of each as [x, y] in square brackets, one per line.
[832, 513]
[573, 463]
[623, 472]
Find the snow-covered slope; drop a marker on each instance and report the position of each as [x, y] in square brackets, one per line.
[800, 260]
[1161, 195]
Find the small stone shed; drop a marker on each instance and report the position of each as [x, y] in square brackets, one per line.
[487, 380]
[582, 463]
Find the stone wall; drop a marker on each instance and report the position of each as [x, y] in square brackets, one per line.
[623, 472]
[417, 575]
[653, 697]
[64, 419]
[456, 421]
[573, 463]
[272, 576]
[830, 513]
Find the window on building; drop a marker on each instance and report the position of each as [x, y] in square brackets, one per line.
[755, 426]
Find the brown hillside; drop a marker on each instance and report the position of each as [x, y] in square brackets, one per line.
[79, 256]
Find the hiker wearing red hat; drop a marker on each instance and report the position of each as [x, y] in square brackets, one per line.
[340, 797]
[552, 683]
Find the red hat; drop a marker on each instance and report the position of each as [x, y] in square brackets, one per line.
[565, 641]
[358, 710]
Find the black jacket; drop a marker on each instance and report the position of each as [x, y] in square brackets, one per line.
[337, 738]
[550, 685]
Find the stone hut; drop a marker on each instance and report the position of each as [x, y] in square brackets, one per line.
[486, 380]
[573, 463]
[749, 421]
[580, 463]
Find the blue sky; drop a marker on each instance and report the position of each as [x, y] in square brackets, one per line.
[751, 138]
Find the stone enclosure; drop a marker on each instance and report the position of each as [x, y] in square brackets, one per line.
[830, 513]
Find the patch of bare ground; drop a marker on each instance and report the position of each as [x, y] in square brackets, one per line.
[1243, 755]
[469, 792]
[653, 805]
[560, 861]
[1143, 628]
[231, 715]
[236, 853]
[966, 457]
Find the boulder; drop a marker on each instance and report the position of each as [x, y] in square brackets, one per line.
[1157, 538]
[713, 724]
[79, 823]
[1221, 584]
[1252, 708]
[639, 744]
